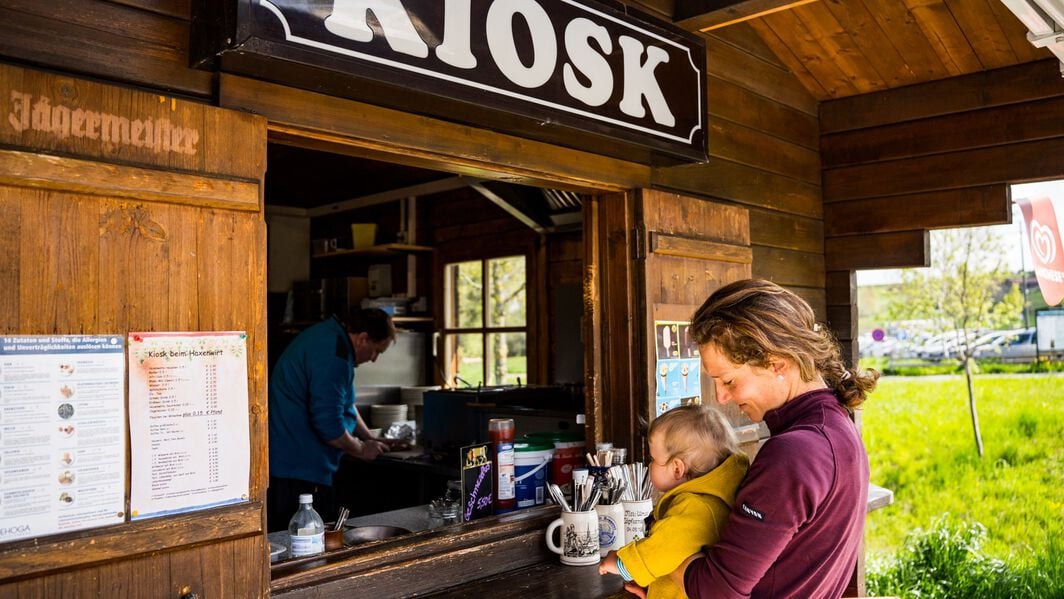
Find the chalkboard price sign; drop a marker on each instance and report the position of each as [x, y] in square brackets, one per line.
[477, 482]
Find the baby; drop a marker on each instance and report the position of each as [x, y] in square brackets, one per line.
[697, 466]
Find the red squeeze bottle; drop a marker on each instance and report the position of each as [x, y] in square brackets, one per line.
[502, 440]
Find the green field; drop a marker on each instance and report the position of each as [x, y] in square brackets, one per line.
[919, 438]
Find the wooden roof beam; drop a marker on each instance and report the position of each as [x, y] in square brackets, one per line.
[707, 15]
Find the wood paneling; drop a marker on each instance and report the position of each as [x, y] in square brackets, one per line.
[88, 177]
[685, 216]
[428, 562]
[219, 570]
[841, 307]
[846, 48]
[1029, 121]
[744, 185]
[987, 205]
[1020, 83]
[106, 40]
[23, 559]
[701, 15]
[733, 103]
[902, 249]
[767, 79]
[88, 120]
[683, 247]
[789, 268]
[984, 166]
[420, 141]
[174, 8]
[785, 231]
[734, 142]
[111, 238]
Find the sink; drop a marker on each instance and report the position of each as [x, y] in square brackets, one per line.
[357, 535]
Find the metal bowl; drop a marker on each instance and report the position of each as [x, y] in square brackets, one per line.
[357, 535]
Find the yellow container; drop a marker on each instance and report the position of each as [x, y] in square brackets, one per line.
[364, 235]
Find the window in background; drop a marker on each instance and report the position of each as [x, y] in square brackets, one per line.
[485, 332]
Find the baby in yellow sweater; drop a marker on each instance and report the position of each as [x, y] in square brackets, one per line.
[697, 466]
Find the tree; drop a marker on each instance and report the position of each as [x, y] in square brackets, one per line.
[961, 293]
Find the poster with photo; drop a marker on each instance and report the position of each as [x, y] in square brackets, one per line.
[62, 434]
[678, 367]
[188, 424]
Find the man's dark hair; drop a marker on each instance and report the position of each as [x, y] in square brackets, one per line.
[373, 321]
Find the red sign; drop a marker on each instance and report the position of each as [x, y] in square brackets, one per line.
[1043, 235]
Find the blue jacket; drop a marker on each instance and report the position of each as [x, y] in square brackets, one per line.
[312, 400]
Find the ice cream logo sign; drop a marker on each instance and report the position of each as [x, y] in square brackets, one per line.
[1043, 235]
[1042, 243]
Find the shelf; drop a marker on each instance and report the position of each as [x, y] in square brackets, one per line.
[400, 319]
[387, 249]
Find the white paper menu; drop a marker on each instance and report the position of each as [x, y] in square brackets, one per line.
[188, 421]
[62, 434]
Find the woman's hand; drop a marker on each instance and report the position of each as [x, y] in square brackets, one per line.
[635, 589]
[677, 574]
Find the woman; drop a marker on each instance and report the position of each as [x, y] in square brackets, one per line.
[799, 515]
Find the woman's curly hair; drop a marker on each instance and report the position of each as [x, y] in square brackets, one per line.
[754, 320]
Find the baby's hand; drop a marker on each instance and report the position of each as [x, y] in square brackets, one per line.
[608, 565]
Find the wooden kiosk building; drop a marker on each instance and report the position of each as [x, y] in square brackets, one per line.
[819, 138]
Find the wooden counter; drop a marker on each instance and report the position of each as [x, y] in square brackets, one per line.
[548, 579]
[424, 562]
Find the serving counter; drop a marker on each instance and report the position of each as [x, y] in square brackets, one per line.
[425, 562]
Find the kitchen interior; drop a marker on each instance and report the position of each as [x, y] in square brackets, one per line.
[484, 282]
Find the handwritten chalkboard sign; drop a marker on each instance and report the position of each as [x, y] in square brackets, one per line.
[477, 482]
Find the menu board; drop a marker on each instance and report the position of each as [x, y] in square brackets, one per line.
[477, 482]
[678, 368]
[188, 406]
[62, 434]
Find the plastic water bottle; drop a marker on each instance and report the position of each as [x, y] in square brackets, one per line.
[306, 529]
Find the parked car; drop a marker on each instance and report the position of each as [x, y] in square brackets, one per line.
[1015, 346]
[944, 345]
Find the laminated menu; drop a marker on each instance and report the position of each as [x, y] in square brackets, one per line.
[188, 406]
[62, 434]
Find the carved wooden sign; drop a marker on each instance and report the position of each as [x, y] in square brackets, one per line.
[575, 72]
[60, 115]
[49, 112]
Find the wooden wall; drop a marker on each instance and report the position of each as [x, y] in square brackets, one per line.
[138, 42]
[764, 155]
[115, 236]
[934, 155]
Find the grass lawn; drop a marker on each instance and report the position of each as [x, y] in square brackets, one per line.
[918, 433]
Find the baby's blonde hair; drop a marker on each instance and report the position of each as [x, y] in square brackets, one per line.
[696, 434]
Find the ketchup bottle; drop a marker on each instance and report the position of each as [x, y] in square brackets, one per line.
[502, 440]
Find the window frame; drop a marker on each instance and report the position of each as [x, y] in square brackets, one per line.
[445, 332]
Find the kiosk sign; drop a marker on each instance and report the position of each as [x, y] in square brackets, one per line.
[568, 63]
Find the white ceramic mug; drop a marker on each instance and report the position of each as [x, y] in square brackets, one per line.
[635, 515]
[579, 538]
[611, 527]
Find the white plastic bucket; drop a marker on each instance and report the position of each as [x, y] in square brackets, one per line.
[531, 465]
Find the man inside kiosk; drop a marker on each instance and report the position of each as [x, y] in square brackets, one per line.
[312, 418]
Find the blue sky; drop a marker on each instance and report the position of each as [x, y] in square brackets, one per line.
[1013, 235]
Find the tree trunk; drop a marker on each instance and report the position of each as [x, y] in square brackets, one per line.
[971, 406]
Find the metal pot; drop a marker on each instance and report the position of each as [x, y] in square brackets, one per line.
[364, 534]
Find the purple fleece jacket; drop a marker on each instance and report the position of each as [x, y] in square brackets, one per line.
[799, 514]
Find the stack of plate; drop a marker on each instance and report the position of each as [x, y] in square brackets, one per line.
[413, 396]
[383, 415]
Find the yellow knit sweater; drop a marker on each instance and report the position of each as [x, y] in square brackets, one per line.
[686, 519]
